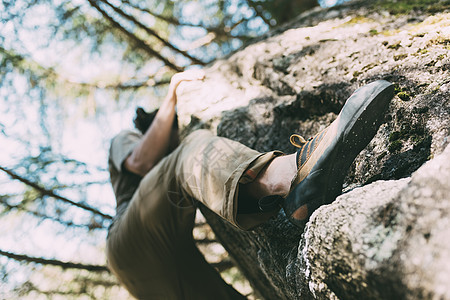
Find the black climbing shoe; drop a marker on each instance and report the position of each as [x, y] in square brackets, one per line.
[323, 160]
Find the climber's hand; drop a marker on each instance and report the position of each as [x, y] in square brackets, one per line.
[188, 75]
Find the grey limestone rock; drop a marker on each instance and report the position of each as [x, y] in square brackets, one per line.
[386, 240]
[387, 236]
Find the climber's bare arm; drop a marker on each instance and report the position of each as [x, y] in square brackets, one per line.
[155, 142]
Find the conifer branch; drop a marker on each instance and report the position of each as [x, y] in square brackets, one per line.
[258, 12]
[45, 192]
[21, 207]
[153, 33]
[54, 262]
[139, 43]
[219, 31]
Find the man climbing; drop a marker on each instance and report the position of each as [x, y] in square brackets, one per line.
[158, 182]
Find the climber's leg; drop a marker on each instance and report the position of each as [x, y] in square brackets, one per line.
[323, 160]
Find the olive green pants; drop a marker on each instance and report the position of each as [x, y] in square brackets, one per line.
[150, 246]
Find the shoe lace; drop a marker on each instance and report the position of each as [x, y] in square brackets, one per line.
[301, 140]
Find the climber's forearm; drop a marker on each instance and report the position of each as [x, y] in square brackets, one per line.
[155, 142]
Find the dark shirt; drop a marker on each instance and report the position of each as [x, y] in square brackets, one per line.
[124, 182]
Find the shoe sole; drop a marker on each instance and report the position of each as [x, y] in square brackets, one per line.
[359, 120]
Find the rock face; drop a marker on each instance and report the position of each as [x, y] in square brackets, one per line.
[388, 239]
[388, 235]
